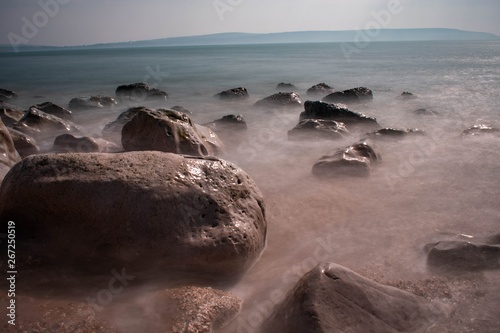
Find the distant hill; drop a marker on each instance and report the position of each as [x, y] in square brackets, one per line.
[235, 38]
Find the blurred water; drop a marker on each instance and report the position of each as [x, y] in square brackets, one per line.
[425, 189]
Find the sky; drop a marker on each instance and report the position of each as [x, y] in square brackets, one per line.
[82, 22]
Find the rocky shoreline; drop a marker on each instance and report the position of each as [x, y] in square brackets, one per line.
[153, 198]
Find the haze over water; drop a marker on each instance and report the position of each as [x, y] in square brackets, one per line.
[426, 189]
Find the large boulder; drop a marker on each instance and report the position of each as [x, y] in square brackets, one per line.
[7, 95]
[39, 124]
[463, 255]
[354, 95]
[8, 153]
[318, 129]
[190, 310]
[147, 211]
[91, 102]
[55, 110]
[337, 112]
[168, 131]
[10, 114]
[332, 298]
[279, 100]
[113, 130]
[355, 160]
[234, 94]
[320, 90]
[139, 92]
[67, 143]
[25, 144]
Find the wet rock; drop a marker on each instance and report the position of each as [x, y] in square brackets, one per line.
[406, 95]
[40, 125]
[181, 109]
[67, 143]
[308, 129]
[285, 87]
[106, 146]
[90, 102]
[425, 112]
[320, 90]
[8, 153]
[168, 131]
[355, 95]
[233, 94]
[281, 99]
[55, 110]
[228, 123]
[394, 133]
[191, 310]
[463, 255]
[481, 129]
[355, 160]
[332, 298]
[113, 130]
[337, 112]
[139, 92]
[10, 114]
[146, 211]
[7, 95]
[25, 144]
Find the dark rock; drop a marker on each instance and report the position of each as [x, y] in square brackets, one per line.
[139, 92]
[55, 110]
[285, 87]
[320, 90]
[24, 144]
[146, 211]
[318, 129]
[113, 130]
[191, 309]
[394, 133]
[91, 102]
[8, 153]
[337, 112]
[425, 112]
[233, 94]
[481, 129]
[168, 131]
[355, 160]
[332, 298]
[463, 255]
[281, 99]
[10, 114]
[354, 95]
[181, 109]
[7, 95]
[39, 124]
[67, 143]
[228, 123]
[406, 95]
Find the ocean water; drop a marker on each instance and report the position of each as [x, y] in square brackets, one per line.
[426, 189]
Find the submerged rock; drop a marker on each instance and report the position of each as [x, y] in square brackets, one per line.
[337, 112]
[320, 90]
[228, 123]
[355, 160]
[354, 95]
[67, 143]
[308, 129]
[285, 87]
[481, 129]
[10, 114]
[55, 110]
[168, 131]
[8, 153]
[91, 102]
[146, 211]
[7, 95]
[406, 95]
[394, 133]
[25, 144]
[463, 255]
[281, 99]
[181, 109]
[425, 112]
[239, 93]
[139, 92]
[191, 310]
[332, 298]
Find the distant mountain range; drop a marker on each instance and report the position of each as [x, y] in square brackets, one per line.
[235, 38]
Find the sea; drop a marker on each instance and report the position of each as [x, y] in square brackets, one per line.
[441, 186]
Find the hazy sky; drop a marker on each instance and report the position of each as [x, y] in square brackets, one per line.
[75, 22]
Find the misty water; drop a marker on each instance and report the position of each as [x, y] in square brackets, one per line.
[437, 187]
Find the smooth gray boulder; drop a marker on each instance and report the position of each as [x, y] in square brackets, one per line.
[320, 90]
[314, 129]
[334, 299]
[8, 153]
[355, 160]
[280, 100]
[234, 94]
[354, 95]
[55, 110]
[25, 144]
[337, 112]
[139, 92]
[146, 211]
